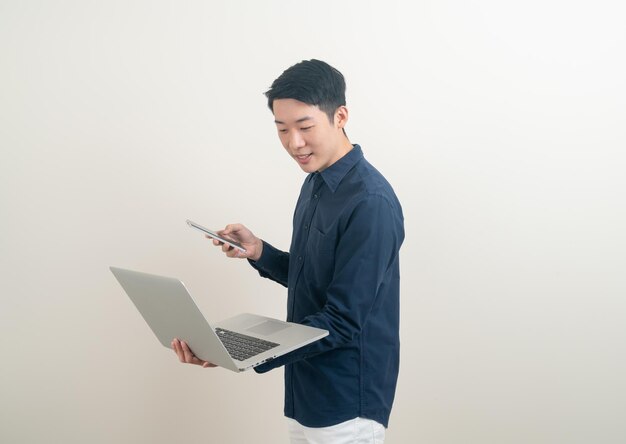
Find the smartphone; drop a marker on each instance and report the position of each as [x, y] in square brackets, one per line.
[216, 236]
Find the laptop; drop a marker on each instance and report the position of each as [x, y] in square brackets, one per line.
[238, 343]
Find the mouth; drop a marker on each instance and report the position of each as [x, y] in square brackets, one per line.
[303, 158]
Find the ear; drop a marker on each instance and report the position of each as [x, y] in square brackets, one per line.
[341, 117]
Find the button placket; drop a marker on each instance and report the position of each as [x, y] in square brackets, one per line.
[310, 212]
[303, 240]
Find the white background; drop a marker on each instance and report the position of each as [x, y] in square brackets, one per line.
[501, 126]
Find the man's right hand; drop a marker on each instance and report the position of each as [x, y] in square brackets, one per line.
[241, 234]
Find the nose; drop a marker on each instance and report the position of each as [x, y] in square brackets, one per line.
[296, 141]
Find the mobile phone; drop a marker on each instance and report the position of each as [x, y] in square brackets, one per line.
[216, 236]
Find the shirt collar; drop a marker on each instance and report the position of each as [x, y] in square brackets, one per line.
[338, 170]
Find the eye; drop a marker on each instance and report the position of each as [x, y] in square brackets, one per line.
[282, 130]
[306, 128]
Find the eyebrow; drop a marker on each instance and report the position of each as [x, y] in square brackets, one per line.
[302, 119]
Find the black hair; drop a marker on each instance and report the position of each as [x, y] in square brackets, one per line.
[312, 82]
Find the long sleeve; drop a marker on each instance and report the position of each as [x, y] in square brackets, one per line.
[273, 264]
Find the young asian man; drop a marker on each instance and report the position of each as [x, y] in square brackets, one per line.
[341, 270]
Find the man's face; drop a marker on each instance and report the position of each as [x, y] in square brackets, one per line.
[308, 136]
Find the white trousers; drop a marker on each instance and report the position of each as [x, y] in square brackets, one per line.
[354, 431]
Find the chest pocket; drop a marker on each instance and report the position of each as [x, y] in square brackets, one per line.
[320, 242]
[321, 257]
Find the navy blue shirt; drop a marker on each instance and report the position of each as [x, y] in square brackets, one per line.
[342, 275]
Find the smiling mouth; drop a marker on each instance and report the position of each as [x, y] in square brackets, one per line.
[303, 156]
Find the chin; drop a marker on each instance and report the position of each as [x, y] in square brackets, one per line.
[308, 168]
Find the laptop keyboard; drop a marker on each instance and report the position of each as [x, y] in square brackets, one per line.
[242, 347]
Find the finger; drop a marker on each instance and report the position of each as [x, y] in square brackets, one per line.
[233, 252]
[190, 358]
[216, 242]
[187, 354]
[178, 350]
[230, 228]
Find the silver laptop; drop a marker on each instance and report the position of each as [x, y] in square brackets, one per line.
[238, 343]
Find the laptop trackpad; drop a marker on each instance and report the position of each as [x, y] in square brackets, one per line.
[268, 327]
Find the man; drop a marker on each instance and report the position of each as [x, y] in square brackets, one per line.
[341, 271]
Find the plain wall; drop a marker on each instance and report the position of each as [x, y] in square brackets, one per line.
[501, 126]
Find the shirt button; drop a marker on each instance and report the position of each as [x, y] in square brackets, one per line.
[300, 258]
[315, 196]
[306, 226]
